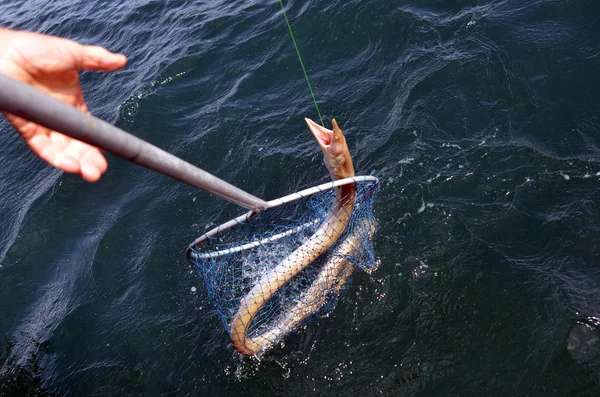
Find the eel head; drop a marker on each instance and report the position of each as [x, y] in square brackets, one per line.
[335, 150]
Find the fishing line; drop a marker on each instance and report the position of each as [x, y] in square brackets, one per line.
[301, 63]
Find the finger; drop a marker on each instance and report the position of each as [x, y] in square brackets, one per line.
[59, 140]
[99, 58]
[63, 162]
[100, 162]
[89, 171]
[93, 165]
[42, 146]
[94, 158]
[90, 165]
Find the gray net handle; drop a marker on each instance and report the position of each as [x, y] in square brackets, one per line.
[24, 101]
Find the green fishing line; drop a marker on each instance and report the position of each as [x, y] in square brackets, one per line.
[301, 63]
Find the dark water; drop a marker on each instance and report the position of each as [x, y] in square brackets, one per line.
[482, 119]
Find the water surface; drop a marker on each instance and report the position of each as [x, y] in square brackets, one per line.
[481, 118]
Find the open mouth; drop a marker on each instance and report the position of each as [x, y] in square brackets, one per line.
[321, 134]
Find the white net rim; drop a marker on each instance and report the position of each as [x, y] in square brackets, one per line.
[270, 204]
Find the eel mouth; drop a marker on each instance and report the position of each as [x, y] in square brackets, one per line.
[323, 135]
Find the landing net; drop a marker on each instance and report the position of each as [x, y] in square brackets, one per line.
[267, 273]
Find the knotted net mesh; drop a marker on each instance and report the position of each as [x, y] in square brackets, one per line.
[268, 273]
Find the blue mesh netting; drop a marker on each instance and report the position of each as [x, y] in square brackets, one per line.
[243, 262]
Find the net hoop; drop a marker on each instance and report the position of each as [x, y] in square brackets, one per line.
[245, 218]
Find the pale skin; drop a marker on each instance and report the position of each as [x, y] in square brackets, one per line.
[52, 65]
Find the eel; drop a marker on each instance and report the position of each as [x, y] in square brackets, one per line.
[338, 162]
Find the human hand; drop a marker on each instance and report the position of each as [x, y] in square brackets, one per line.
[52, 64]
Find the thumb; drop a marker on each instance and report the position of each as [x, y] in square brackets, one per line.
[98, 58]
